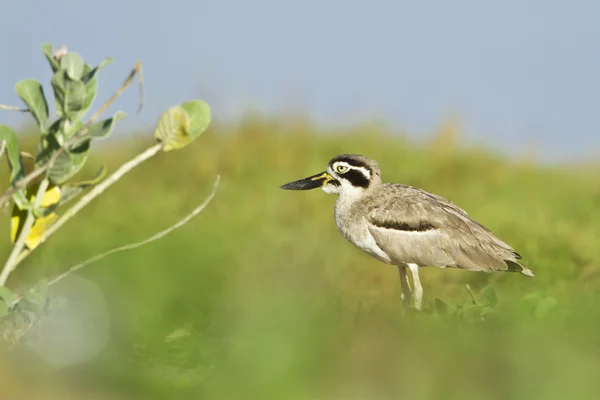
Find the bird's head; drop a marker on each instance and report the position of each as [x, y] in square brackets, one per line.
[346, 174]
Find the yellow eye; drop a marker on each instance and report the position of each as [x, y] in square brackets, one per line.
[341, 169]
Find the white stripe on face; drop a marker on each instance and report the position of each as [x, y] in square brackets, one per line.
[353, 180]
[339, 168]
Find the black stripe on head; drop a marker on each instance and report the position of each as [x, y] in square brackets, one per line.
[355, 160]
[356, 177]
[416, 226]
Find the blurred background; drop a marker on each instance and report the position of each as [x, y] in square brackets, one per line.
[491, 104]
[519, 74]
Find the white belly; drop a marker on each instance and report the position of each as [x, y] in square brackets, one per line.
[357, 233]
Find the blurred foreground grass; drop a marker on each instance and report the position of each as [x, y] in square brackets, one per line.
[260, 297]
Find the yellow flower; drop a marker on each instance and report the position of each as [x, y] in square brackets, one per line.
[51, 197]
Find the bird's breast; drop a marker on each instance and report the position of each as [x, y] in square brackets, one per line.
[353, 226]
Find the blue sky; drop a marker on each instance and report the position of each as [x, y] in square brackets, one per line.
[517, 72]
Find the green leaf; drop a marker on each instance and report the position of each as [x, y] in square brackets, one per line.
[69, 95]
[69, 163]
[180, 125]
[90, 80]
[47, 145]
[489, 296]
[103, 129]
[7, 295]
[172, 129]
[71, 190]
[90, 73]
[199, 113]
[32, 94]
[48, 51]
[15, 163]
[13, 152]
[72, 64]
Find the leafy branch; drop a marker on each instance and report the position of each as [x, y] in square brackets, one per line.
[11, 263]
[38, 197]
[26, 180]
[92, 194]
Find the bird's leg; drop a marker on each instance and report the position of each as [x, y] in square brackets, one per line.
[417, 288]
[406, 295]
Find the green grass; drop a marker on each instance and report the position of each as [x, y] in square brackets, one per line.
[274, 303]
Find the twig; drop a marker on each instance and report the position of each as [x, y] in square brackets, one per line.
[23, 182]
[13, 108]
[2, 147]
[154, 237]
[95, 192]
[12, 261]
[138, 67]
[136, 70]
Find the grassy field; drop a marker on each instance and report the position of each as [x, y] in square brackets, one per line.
[260, 296]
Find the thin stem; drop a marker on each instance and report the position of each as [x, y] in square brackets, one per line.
[2, 147]
[12, 108]
[473, 298]
[136, 70]
[12, 261]
[152, 238]
[95, 192]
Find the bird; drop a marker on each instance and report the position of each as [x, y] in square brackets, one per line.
[406, 226]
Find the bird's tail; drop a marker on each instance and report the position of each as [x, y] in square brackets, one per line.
[514, 266]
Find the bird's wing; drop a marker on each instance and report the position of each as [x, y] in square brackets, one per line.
[414, 226]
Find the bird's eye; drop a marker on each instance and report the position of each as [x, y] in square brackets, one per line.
[341, 169]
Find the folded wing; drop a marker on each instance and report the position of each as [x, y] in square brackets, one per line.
[414, 226]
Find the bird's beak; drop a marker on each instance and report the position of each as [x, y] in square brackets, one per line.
[312, 182]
